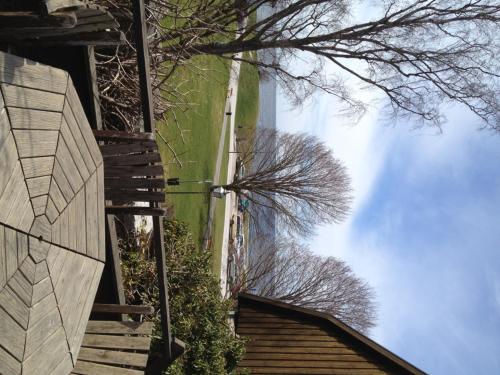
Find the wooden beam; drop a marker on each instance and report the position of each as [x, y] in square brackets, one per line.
[120, 136]
[135, 210]
[16, 21]
[127, 148]
[141, 41]
[134, 195]
[130, 171]
[138, 159]
[100, 38]
[122, 309]
[128, 182]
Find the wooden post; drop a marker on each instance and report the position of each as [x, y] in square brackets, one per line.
[141, 37]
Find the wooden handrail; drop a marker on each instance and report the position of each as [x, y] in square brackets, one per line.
[122, 309]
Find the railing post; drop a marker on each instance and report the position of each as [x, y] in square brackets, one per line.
[141, 38]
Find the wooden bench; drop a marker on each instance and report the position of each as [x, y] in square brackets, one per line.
[132, 172]
[115, 347]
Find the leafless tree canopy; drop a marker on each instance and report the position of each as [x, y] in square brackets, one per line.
[290, 272]
[296, 177]
[419, 53]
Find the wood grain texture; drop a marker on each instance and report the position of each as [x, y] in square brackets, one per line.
[33, 119]
[65, 159]
[117, 342]
[37, 167]
[23, 72]
[50, 188]
[122, 328]
[90, 368]
[75, 151]
[113, 357]
[81, 118]
[36, 143]
[16, 96]
[76, 132]
[39, 185]
[282, 343]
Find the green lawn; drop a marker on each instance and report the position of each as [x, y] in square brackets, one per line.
[247, 105]
[202, 124]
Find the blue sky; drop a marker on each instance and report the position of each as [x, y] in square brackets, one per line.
[423, 231]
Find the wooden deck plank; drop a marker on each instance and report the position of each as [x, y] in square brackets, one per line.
[28, 266]
[13, 186]
[23, 72]
[82, 292]
[75, 151]
[41, 227]
[42, 308]
[91, 217]
[41, 271]
[113, 357]
[69, 167]
[74, 222]
[116, 342]
[38, 249]
[101, 214]
[56, 231]
[63, 368]
[22, 287]
[27, 218]
[89, 368]
[3, 268]
[81, 118]
[57, 196]
[37, 333]
[48, 356]
[41, 290]
[4, 123]
[87, 307]
[14, 306]
[10, 237]
[51, 211]
[127, 148]
[62, 181]
[34, 119]
[64, 228]
[8, 364]
[35, 143]
[38, 185]
[16, 96]
[37, 167]
[39, 204]
[122, 328]
[76, 132]
[12, 337]
[8, 161]
[81, 233]
[19, 201]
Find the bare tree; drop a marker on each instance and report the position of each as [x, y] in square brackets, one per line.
[290, 272]
[294, 176]
[419, 53]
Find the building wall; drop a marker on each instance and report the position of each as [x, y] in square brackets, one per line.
[282, 342]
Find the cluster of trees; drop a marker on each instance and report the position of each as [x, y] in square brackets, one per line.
[419, 54]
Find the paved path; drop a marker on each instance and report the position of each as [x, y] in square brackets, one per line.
[229, 200]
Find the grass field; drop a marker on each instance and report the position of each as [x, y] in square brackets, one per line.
[201, 126]
[247, 105]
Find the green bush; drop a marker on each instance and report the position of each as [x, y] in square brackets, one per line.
[199, 314]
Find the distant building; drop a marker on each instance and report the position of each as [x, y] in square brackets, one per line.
[286, 339]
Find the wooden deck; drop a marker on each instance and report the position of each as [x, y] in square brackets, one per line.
[51, 219]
